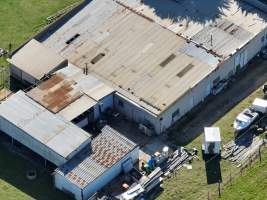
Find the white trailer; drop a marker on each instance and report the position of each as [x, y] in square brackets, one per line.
[260, 105]
[212, 140]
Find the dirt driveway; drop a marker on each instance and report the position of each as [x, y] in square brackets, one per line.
[215, 107]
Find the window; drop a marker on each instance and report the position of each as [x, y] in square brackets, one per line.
[97, 58]
[73, 38]
[167, 60]
[121, 104]
[175, 114]
[185, 70]
[217, 80]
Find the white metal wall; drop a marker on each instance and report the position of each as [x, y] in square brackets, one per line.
[21, 76]
[103, 105]
[109, 175]
[134, 112]
[62, 183]
[65, 186]
[201, 90]
[30, 142]
[197, 94]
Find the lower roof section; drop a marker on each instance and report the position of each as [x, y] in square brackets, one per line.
[108, 148]
[52, 131]
[37, 60]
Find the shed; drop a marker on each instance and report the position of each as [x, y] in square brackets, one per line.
[33, 61]
[110, 154]
[45, 133]
[212, 140]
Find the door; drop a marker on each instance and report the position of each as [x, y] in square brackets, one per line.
[91, 115]
[208, 90]
[237, 63]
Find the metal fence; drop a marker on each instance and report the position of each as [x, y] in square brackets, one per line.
[240, 171]
[4, 77]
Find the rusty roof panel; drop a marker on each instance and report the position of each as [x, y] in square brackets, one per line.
[55, 93]
[108, 148]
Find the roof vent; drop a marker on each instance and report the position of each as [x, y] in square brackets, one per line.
[97, 58]
[73, 38]
[185, 70]
[167, 60]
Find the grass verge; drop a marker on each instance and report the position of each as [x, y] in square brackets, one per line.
[192, 184]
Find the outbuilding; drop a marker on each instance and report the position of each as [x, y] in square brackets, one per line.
[51, 136]
[110, 154]
[33, 61]
[212, 140]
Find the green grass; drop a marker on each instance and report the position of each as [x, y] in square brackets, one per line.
[253, 185]
[21, 19]
[15, 186]
[192, 184]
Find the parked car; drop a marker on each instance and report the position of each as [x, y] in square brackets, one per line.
[245, 119]
[219, 87]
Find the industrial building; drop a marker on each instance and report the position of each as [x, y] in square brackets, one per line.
[55, 139]
[37, 65]
[159, 67]
[84, 164]
[150, 62]
[110, 154]
[74, 96]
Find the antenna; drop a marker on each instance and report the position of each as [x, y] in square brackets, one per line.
[211, 39]
[86, 68]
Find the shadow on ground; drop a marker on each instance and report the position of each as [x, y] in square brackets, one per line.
[200, 11]
[13, 170]
[213, 170]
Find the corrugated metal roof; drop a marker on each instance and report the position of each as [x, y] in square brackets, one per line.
[94, 88]
[56, 93]
[107, 149]
[199, 53]
[132, 49]
[78, 107]
[198, 19]
[36, 60]
[59, 135]
[222, 37]
[69, 92]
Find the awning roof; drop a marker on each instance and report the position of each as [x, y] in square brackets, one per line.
[77, 107]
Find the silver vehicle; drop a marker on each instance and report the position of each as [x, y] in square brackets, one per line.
[245, 119]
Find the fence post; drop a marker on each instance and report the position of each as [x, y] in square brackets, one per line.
[230, 178]
[208, 195]
[260, 152]
[219, 189]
